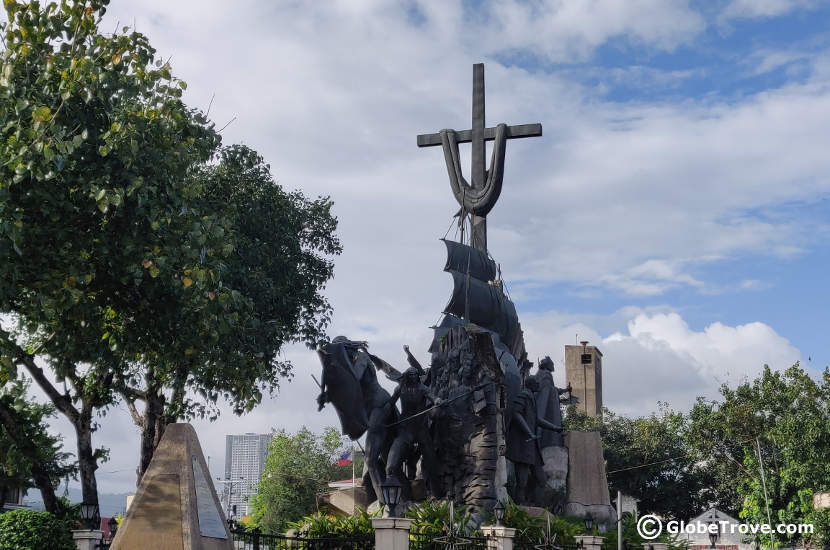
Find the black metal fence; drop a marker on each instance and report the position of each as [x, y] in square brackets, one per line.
[420, 541]
[254, 540]
[524, 544]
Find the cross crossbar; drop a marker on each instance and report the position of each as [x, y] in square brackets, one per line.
[466, 136]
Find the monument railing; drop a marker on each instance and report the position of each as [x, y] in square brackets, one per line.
[252, 540]
[524, 544]
[421, 541]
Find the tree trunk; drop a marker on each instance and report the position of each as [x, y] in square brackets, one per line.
[47, 491]
[87, 460]
[159, 411]
[152, 428]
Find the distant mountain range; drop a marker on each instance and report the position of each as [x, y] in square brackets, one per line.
[111, 504]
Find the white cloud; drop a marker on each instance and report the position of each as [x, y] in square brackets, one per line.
[762, 8]
[658, 357]
[571, 31]
[628, 196]
[753, 284]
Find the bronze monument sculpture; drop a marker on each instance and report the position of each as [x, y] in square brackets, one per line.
[473, 420]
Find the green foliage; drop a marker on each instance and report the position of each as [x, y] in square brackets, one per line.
[30, 530]
[299, 466]
[431, 516]
[139, 257]
[528, 528]
[95, 149]
[97, 240]
[25, 444]
[358, 524]
[784, 416]
[280, 263]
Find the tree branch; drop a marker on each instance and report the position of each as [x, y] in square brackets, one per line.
[137, 418]
[61, 402]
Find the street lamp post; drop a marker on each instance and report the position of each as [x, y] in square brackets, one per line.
[113, 525]
[391, 490]
[499, 511]
[90, 516]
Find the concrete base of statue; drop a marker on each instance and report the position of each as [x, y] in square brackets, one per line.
[587, 484]
[556, 467]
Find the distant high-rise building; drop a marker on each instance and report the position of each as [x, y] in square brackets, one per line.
[244, 463]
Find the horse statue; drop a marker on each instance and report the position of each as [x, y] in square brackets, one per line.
[349, 382]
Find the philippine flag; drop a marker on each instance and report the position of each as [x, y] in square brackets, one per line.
[346, 458]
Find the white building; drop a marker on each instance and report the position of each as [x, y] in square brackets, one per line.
[13, 499]
[244, 463]
[727, 536]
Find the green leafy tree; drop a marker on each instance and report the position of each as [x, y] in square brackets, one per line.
[30, 530]
[29, 455]
[650, 459]
[299, 466]
[767, 443]
[118, 250]
[96, 146]
[282, 244]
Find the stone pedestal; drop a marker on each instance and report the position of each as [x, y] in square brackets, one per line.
[555, 467]
[392, 533]
[587, 484]
[500, 538]
[589, 542]
[86, 539]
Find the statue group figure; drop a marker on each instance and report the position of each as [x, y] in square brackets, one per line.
[536, 424]
[397, 441]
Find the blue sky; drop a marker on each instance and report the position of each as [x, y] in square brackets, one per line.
[729, 62]
[674, 213]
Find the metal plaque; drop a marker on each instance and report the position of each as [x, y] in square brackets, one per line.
[210, 519]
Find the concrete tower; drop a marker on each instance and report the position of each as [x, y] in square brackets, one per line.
[583, 371]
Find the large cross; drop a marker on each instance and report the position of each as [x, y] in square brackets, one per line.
[478, 135]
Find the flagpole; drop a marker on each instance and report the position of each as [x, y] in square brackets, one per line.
[354, 496]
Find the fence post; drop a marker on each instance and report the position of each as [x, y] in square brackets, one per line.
[87, 539]
[498, 537]
[589, 542]
[256, 539]
[392, 533]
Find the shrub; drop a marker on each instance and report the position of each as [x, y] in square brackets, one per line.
[30, 530]
[431, 518]
[358, 524]
[532, 529]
